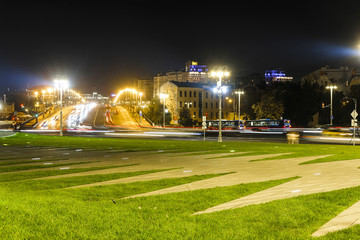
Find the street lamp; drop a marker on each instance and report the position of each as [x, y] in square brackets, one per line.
[239, 92]
[140, 96]
[331, 106]
[164, 96]
[61, 84]
[354, 114]
[50, 91]
[219, 90]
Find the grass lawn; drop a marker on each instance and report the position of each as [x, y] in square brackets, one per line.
[33, 208]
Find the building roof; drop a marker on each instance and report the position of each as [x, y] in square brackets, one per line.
[191, 84]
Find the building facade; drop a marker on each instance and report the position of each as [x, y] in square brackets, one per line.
[146, 86]
[199, 98]
[341, 77]
[193, 73]
[6, 110]
[277, 75]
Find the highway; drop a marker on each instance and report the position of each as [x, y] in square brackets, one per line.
[105, 121]
[74, 117]
[121, 118]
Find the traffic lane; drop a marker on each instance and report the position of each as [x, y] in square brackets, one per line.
[99, 120]
[53, 122]
[328, 139]
[120, 117]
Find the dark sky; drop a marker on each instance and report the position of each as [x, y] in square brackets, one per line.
[104, 47]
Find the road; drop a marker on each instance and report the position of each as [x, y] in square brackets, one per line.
[74, 117]
[105, 121]
[91, 116]
[120, 117]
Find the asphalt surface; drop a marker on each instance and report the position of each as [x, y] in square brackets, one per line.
[117, 122]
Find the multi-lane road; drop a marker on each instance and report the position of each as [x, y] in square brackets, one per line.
[108, 121]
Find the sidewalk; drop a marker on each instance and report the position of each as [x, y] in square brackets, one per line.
[6, 132]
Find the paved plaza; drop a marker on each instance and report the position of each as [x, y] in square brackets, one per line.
[239, 168]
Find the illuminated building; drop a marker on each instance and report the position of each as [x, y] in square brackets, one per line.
[6, 110]
[146, 86]
[193, 73]
[341, 77]
[95, 97]
[199, 98]
[277, 75]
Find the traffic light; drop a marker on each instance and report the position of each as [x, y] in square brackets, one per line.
[22, 105]
[322, 105]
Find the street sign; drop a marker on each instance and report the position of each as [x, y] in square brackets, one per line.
[204, 125]
[353, 123]
[203, 122]
[354, 114]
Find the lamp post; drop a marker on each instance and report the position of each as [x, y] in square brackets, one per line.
[61, 84]
[219, 90]
[331, 105]
[50, 91]
[140, 96]
[164, 96]
[239, 92]
[354, 114]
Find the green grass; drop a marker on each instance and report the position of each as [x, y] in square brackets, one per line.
[16, 176]
[335, 152]
[90, 213]
[32, 167]
[34, 208]
[42, 184]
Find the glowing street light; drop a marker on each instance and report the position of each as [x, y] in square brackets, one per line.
[61, 84]
[220, 90]
[331, 105]
[164, 96]
[140, 96]
[50, 91]
[239, 92]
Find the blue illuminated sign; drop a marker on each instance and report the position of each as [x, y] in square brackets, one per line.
[198, 68]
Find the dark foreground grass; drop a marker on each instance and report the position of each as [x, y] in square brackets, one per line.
[43, 184]
[334, 152]
[90, 213]
[16, 176]
[47, 209]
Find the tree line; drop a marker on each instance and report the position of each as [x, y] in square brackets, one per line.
[305, 105]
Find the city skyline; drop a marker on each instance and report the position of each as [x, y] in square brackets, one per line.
[105, 48]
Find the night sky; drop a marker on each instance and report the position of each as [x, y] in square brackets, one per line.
[104, 47]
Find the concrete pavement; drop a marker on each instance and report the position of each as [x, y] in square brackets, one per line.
[241, 168]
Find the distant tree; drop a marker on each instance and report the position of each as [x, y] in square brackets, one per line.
[250, 97]
[168, 117]
[154, 111]
[268, 107]
[185, 117]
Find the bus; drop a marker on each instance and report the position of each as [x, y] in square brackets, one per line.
[267, 123]
[225, 125]
[249, 124]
